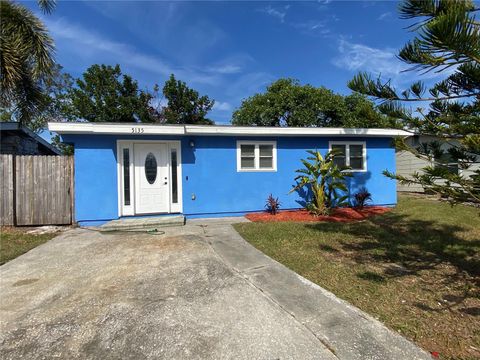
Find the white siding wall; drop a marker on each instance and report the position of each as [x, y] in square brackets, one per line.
[472, 168]
[407, 164]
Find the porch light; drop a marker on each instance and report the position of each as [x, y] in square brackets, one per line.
[191, 143]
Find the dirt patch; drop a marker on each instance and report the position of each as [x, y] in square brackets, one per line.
[338, 215]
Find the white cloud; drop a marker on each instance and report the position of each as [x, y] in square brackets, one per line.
[248, 84]
[385, 16]
[82, 46]
[222, 106]
[315, 27]
[381, 62]
[356, 57]
[233, 64]
[312, 27]
[276, 13]
[226, 69]
[90, 44]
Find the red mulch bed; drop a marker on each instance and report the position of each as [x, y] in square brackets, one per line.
[337, 215]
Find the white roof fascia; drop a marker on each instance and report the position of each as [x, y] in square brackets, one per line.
[215, 130]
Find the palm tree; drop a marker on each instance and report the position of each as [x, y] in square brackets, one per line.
[26, 56]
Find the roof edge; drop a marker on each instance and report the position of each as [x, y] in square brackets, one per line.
[214, 130]
[15, 126]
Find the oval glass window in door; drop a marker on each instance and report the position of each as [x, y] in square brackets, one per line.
[150, 168]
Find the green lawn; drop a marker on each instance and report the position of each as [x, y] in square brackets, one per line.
[416, 268]
[15, 242]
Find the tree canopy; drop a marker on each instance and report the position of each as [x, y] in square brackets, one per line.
[56, 102]
[105, 94]
[288, 103]
[185, 105]
[26, 57]
[447, 36]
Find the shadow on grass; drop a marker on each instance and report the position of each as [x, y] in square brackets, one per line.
[328, 248]
[404, 246]
[371, 276]
[415, 244]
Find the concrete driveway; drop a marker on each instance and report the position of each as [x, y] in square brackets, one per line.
[197, 292]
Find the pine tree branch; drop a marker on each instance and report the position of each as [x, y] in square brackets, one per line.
[433, 98]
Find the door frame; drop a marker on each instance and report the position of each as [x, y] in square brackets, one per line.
[129, 210]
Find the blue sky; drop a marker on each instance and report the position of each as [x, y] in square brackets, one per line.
[231, 50]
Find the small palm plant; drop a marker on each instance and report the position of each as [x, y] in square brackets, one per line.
[272, 205]
[325, 180]
[361, 198]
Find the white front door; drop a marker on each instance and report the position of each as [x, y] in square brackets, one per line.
[151, 178]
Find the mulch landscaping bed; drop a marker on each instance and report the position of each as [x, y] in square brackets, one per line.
[337, 215]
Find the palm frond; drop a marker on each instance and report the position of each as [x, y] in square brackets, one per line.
[26, 56]
[47, 6]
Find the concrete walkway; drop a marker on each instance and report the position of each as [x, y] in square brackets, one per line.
[197, 292]
[345, 330]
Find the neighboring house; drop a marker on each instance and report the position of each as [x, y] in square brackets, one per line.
[207, 171]
[408, 163]
[19, 140]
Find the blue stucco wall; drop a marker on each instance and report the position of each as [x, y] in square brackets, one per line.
[210, 173]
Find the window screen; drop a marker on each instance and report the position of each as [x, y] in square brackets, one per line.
[266, 156]
[339, 158]
[247, 156]
[356, 157]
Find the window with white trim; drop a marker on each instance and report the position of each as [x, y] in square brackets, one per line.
[256, 156]
[351, 155]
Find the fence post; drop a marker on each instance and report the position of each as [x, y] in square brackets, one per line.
[14, 186]
[71, 165]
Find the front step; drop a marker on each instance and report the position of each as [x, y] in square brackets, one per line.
[148, 223]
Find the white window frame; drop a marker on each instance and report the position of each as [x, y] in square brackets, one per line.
[129, 210]
[257, 156]
[347, 153]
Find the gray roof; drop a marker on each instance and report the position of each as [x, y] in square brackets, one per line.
[15, 126]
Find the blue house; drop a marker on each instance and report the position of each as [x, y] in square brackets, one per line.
[208, 171]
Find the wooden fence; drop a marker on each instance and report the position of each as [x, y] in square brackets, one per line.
[36, 190]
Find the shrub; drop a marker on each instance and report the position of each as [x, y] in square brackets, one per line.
[325, 180]
[272, 205]
[361, 197]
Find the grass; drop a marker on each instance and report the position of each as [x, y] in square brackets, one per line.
[15, 242]
[416, 268]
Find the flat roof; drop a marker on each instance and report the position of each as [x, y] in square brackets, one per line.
[139, 129]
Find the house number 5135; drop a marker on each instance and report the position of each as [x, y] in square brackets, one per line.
[137, 130]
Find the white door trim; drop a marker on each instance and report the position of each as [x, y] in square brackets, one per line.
[129, 210]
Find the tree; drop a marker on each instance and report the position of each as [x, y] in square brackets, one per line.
[56, 104]
[362, 113]
[447, 38]
[26, 56]
[185, 105]
[287, 103]
[106, 95]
